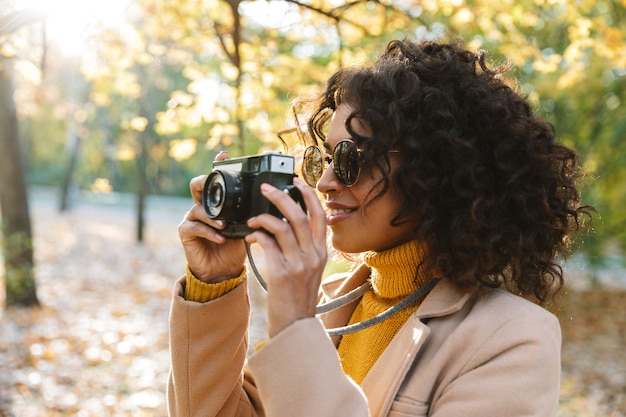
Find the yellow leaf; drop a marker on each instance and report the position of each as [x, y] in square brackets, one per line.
[229, 71]
[572, 77]
[138, 123]
[100, 99]
[613, 38]
[213, 142]
[462, 17]
[125, 153]
[101, 185]
[227, 141]
[180, 98]
[167, 124]
[182, 149]
[548, 64]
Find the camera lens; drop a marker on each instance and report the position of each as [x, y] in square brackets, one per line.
[216, 194]
[222, 195]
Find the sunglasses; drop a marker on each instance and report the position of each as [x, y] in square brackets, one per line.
[345, 162]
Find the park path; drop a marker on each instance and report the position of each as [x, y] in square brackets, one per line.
[99, 343]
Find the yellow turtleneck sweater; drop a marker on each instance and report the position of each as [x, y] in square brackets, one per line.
[202, 292]
[393, 276]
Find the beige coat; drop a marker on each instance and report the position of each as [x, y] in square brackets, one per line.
[457, 356]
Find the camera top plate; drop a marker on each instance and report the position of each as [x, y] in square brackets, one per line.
[272, 161]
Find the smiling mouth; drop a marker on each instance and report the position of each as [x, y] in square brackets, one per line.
[335, 212]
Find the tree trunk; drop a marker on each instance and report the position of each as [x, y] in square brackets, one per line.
[142, 185]
[145, 139]
[16, 227]
[66, 187]
[75, 86]
[235, 58]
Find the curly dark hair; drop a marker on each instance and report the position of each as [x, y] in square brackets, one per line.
[495, 194]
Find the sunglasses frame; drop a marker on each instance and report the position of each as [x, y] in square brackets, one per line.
[336, 171]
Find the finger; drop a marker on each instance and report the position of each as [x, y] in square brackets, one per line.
[288, 257]
[196, 186]
[198, 214]
[223, 155]
[197, 224]
[314, 208]
[285, 270]
[268, 243]
[281, 233]
[192, 230]
[297, 220]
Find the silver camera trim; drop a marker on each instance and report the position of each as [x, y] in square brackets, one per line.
[282, 163]
[276, 162]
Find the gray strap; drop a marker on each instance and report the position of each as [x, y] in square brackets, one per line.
[354, 295]
[322, 308]
[344, 299]
[420, 292]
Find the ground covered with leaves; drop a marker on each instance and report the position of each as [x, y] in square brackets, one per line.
[98, 344]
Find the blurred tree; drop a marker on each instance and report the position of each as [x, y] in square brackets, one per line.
[232, 93]
[17, 245]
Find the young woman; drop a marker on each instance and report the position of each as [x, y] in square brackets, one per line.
[458, 200]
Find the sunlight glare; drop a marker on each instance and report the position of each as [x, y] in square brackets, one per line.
[271, 14]
[70, 21]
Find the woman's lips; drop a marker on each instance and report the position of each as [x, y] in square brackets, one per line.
[336, 215]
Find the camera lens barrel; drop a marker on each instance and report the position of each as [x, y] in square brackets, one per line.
[222, 195]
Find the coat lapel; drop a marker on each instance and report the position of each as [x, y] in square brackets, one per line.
[383, 381]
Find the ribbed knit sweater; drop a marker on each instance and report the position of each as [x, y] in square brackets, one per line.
[394, 275]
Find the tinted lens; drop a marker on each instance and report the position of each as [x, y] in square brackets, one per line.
[312, 165]
[346, 162]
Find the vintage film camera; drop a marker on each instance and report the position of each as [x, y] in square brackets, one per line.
[232, 191]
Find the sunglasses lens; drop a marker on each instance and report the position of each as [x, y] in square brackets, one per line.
[312, 165]
[346, 162]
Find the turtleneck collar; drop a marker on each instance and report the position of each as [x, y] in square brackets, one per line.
[394, 272]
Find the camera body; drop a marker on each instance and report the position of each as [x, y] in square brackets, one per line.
[232, 191]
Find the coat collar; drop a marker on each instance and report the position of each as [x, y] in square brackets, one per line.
[384, 378]
[445, 298]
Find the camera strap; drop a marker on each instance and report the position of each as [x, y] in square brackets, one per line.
[334, 304]
[404, 303]
[352, 296]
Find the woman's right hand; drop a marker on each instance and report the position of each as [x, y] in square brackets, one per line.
[210, 256]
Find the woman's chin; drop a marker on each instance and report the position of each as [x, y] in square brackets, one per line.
[345, 245]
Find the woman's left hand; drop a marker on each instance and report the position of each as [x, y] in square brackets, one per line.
[295, 254]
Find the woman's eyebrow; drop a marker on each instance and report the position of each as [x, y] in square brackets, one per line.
[327, 147]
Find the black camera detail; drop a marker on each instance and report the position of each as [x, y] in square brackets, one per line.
[232, 192]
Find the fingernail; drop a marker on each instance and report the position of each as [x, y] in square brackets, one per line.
[297, 181]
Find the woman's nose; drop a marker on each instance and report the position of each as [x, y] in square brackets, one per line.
[328, 181]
